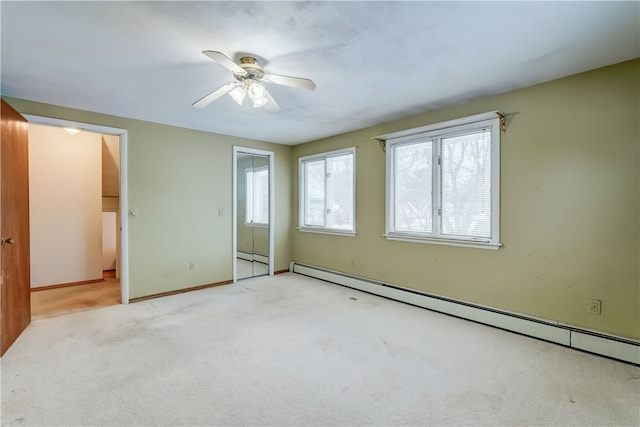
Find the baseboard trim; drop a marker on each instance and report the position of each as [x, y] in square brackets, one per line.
[66, 285]
[180, 291]
[280, 272]
[593, 342]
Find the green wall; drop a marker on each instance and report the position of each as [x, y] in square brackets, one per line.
[178, 178]
[569, 207]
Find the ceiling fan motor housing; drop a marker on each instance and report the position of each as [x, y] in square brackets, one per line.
[252, 67]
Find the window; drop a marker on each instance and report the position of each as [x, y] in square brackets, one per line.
[327, 187]
[443, 183]
[257, 181]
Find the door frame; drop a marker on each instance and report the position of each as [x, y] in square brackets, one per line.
[124, 205]
[239, 149]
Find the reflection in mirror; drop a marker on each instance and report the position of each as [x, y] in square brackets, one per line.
[253, 215]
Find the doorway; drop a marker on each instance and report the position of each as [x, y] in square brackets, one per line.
[104, 290]
[252, 213]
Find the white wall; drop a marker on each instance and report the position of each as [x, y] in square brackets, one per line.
[108, 240]
[65, 196]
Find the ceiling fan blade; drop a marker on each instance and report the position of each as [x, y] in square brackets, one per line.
[208, 99]
[292, 81]
[225, 61]
[271, 107]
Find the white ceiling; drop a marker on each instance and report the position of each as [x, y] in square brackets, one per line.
[371, 61]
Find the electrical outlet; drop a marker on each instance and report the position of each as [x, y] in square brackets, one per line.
[192, 265]
[595, 305]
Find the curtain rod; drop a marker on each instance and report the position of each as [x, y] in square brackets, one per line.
[382, 139]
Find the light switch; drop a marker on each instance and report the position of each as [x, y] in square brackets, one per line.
[133, 213]
[219, 211]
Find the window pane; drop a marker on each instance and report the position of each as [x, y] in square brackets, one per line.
[466, 184]
[314, 194]
[340, 192]
[413, 203]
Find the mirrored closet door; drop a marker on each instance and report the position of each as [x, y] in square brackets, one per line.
[252, 213]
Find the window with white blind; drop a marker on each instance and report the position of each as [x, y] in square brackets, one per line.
[327, 192]
[443, 183]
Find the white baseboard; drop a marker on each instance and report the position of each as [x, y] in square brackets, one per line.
[606, 345]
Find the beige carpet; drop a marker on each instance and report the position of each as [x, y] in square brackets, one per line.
[289, 350]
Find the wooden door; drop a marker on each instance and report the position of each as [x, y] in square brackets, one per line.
[15, 281]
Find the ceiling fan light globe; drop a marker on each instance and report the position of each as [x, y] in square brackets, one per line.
[259, 102]
[238, 93]
[256, 92]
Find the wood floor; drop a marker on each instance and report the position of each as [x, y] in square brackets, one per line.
[71, 299]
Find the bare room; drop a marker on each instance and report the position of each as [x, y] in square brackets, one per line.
[320, 213]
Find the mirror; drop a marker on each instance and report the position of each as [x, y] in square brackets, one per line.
[252, 215]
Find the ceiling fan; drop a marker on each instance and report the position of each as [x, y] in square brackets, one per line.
[250, 77]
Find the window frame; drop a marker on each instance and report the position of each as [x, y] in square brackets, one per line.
[435, 133]
[302, 192]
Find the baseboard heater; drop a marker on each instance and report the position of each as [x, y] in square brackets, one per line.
[606, 345]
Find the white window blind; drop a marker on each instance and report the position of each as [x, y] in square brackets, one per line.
[314, 194]
[413, 187]
[466, 184]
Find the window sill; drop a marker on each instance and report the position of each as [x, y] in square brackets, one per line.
[447, 242]
[327, 231]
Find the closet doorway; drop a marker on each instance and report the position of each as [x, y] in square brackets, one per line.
[253, 213]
